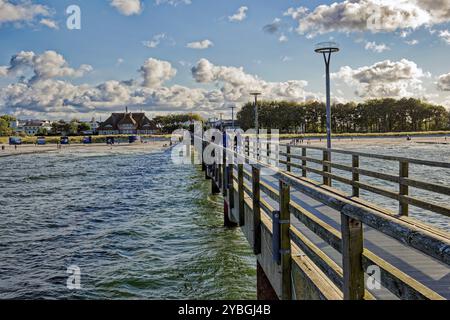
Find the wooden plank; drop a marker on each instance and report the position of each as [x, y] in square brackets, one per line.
[352, 248]
[256, 210]
[288, 158]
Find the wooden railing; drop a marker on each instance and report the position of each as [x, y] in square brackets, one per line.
[265, 211]
[301, 160]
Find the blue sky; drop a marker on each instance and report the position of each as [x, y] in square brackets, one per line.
[399, 57]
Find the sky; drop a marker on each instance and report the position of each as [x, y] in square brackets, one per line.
[204, 56]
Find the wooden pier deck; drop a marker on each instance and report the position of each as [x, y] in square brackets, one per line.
[313, 241]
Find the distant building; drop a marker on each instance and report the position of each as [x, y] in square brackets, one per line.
[127, 123]
[30, 127]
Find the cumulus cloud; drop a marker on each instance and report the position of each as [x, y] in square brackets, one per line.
[370, 15]
[443, 83]
[200, 45]
[44, 66]
[127, 7]
[156, 72]
[24, 11]
[376, 47]
[240, 15]
[384, 79]
[236, 84]
[273, 27]
[50, 97]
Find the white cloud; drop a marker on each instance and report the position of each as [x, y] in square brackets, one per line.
[443, 83]
[156, 72]
[23, 11]
[50, 97]
[45, 66]
[384, 79]
[286, 58]
[445, 36]
[49, 23]
[240, 15]
[127, 7]
[204, 44]
[370, 15]
[155, 42]
[236, 85]
[375, 47]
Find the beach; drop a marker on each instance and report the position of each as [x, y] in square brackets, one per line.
[77, 148]
[342, 142]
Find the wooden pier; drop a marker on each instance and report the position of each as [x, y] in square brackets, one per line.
[314, 241]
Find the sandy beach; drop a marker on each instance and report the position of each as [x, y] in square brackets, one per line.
[340, 142]
[97, 147]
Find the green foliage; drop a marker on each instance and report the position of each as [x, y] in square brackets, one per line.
[372, 116]
[172, 122]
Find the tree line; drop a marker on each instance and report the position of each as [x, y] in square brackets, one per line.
[372, 116]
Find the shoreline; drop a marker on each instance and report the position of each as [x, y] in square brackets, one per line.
[25, 149]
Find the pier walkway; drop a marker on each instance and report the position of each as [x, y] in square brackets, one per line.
[314, 241]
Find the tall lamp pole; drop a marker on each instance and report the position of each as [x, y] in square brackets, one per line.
[326, 49]
[256, 94]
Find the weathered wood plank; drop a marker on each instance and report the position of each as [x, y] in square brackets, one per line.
[256, 210]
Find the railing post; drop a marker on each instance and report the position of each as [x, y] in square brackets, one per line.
[256, 211]
[241, 194]
[403, 189]
[326, 168]
[304, 163]
[288, 158]
[355, 175]
[352, 249]
[285, 246]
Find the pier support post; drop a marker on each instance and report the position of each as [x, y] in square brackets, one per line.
[214, 185]
[226, 217]
[352, 249]
[264, 290]
[231, 185]
[256, 211]
[241, 194]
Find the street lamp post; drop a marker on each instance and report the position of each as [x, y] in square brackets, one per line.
[326, 49]
[256, 94]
